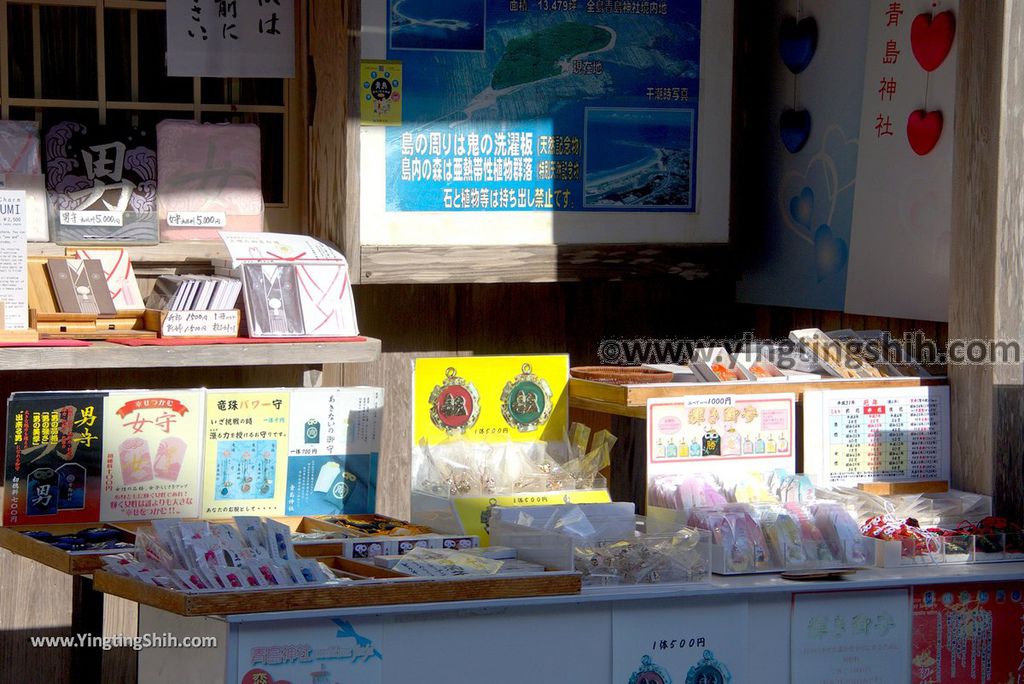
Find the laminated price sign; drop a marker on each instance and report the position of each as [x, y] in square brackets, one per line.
[735, 433]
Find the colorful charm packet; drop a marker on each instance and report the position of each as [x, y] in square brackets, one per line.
[197, 556]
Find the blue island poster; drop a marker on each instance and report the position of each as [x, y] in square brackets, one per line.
[544, 105]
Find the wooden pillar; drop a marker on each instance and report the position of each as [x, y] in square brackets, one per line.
[334, 146]
[987, 250]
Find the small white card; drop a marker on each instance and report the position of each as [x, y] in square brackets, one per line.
[13, 260]
[200, 324]
[197, 219]
[91, 218]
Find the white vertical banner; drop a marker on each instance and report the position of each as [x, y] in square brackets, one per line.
[231, 38]
[899, 248]
[693, 641]
[13, 260]
[850, 636]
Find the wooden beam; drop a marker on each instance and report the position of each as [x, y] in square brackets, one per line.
[538, 263]
[334, 165]
[987, 250]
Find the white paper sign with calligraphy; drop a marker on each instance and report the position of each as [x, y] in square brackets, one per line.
[231, 38]
[887, 435]
[899, 252]
[859, 636]
[200, 324]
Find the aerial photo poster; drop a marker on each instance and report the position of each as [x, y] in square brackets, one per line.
[539, 106]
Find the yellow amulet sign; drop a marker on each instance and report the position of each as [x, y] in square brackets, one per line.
[380, 102]
[490, 398]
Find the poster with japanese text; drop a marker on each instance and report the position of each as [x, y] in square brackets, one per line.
[231, 38]
[696, 641]
[321, 651]
[730, 435]
[333, 450]
[246, 452]
[490, 398]
[152, 453]
[53, 462]
[968, 633]
[526, 109]
[850, 636]
[887, 434]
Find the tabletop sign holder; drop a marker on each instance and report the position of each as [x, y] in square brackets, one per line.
[50, 322]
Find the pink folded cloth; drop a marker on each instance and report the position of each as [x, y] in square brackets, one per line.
[209, 168]
[22, 168]
[19, 147]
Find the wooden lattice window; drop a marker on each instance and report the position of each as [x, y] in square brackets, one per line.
[103, 62]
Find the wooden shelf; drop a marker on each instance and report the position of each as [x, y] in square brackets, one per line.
[180, 253]
[631, 400]
[538, 263]
[111, 355]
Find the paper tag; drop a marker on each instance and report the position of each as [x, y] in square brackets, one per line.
[423, 562]
[200, 324]
[92, 218]
[204, 219]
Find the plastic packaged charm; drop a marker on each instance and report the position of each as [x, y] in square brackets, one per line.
[644, 560]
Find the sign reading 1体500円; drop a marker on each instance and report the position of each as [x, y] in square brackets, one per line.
[528, 107]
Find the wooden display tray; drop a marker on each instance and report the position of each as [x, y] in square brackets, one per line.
[906, 487]
[334, 547]
[363, 592]
[77, 563]
[631, 400]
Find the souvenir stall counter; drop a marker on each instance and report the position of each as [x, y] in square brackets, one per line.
[746, 626]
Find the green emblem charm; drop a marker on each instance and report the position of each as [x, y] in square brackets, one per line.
[708, 671]
[526, 401]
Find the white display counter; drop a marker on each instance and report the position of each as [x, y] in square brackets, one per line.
[753, 628]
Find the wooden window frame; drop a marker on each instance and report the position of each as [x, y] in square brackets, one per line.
[291, 213]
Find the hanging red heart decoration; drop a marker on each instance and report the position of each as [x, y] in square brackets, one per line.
[924, 130]
[931, 38]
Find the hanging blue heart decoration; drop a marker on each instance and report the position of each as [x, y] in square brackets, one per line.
[797, 42]
[795, 128]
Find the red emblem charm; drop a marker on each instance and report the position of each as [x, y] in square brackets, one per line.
[454, 404]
